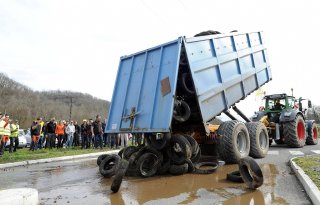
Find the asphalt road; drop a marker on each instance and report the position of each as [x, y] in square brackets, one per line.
[79, 182]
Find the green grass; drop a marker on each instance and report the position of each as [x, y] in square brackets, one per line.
[25, 154]
[311, 166]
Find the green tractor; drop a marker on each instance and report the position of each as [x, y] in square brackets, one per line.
[286, 121]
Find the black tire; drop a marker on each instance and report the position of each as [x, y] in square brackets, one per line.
[197, 157]
[233, 141]
[312, 138]
[179, 149]
[259, 139]
[121, 152]
[205, 33]
[181, 111]
[198, 166]
[122, 169]
[191, 167]
[250, 172]
[158, 144]
[128, 151]
[194, 145]
[178, 169]
[235, 177]
[187, 83]
[100, 158]
[164, 168]
[148, 164]
[108, 165]
[295, 132]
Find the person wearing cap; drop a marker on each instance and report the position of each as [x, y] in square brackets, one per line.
[70, 132]
[35, 134]
[5, 131]
[14, 136]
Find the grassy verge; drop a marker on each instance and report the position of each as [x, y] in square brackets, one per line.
[25, 154]
[311, 166]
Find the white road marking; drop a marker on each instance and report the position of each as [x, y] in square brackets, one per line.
[273, 152]
[316, 151]
[296, 152]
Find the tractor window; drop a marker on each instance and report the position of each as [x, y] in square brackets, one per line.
[291, 102]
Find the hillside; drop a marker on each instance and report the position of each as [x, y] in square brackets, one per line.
[24, 104]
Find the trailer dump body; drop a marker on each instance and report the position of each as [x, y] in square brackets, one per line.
[224, 69]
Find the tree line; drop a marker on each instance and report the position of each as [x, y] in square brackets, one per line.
[25, 104]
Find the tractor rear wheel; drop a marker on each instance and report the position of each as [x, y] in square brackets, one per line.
[234, 141]
[259, 139]
[295, 132]
[312, 138]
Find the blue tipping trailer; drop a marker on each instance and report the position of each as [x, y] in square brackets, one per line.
[179, 86]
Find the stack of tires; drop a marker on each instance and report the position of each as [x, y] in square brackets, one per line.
[174, 155]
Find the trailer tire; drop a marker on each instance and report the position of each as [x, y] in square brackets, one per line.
[259, 139]
[181, 111]
[178, 169]
[148, 164]
[250, 172]
[109, 165]
[233, 141]
[121, 171]
[198, 166]
[312, 138]
[235, 177]
[100, 158]
[186, 83]
[179, 149]
[295, 132]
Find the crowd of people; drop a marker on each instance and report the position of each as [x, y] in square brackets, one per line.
[64, 134]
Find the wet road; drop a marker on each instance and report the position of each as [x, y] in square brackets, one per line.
[79, 182]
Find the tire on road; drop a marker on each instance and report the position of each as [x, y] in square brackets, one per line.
[148, 164]
[214, 166]
[259, 139]
[108, 165]
[179, 149]
[178, 169]
[250, 172]
[235, 177]
[312, 138]
[295, 132]
[121, 170]
[128, 151]
[233, 141]
[100, 158]
[191, 167]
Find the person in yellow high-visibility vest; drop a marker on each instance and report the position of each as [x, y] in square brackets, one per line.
[5, 131]
[14, 136]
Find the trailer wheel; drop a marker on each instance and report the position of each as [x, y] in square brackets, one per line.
[186, 83]
[148, 164]
[312, 138]
[122, 169]
[250, 172]
[235, 177]
[100, 158]
[295, 132]
[259, 139]
[233, 141]
[179, 149]
[181, 111]
[178, 169]
[213, 168]
[108, 165]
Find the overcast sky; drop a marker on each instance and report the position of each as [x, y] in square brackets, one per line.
[76, 45]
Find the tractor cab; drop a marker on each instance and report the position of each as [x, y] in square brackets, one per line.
[278, 102]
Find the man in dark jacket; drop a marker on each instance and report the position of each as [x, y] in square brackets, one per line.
[76, 141]
[84, 135]
[35, 134]
[51, 136]
[97, 132]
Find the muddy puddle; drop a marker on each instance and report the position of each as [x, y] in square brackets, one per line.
[185, 189]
